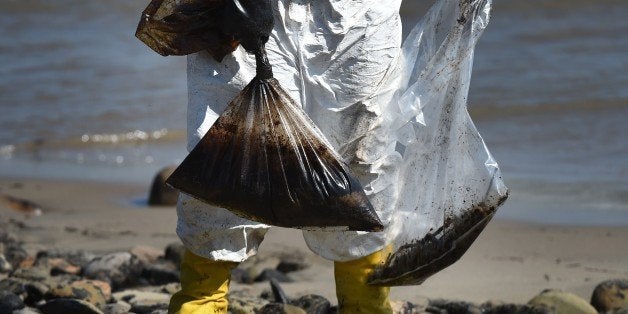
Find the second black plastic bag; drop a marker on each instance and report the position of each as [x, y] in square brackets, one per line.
[265, 160]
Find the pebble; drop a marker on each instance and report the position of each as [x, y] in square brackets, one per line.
[174, 252]
[65, 306]
[79, 258]
[610, 295]
[36, 273]
[5, 266]
[507, 308]
[147, 254]
[280, 308]
[35, 292]
[143, 301]
[27, 310]
[252, 270]
[83, 290]
[241, 275]
[405, 307]
[240, 303]
[10, 302]
[14, 253]
[117, 269]
[59, 266]
[557, 301]
[161, 273]
[312, 304]
[14, 285]
[119, 307]
[160, 193]
[455, 306]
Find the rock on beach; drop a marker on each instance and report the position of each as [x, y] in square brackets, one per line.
[118, 269]
[611, 295]
[557, 301]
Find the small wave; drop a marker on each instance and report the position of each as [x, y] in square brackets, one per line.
[90, 141]
[132, 136]
[6, 151]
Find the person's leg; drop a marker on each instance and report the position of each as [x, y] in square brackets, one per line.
[354, 294]
[204, 286]
[355, 255]
[216, 241]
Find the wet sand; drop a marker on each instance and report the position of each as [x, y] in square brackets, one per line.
[510, 261]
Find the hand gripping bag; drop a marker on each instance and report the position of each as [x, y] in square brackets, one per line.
[264, 159]
[449, 184]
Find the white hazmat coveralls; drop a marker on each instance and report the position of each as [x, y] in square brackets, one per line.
[334, 59]
[395, 113]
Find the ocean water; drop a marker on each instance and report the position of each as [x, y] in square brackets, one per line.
[81, 98]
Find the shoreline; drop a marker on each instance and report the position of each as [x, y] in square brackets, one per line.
[510, 261]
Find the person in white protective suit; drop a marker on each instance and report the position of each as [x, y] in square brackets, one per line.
[335, 59]
[340, 61]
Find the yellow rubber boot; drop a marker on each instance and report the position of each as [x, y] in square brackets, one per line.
[354, 295]
[204, 286]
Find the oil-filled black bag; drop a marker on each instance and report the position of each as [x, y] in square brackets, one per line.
[263, 159]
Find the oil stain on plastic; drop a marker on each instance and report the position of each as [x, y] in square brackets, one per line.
[416, 261]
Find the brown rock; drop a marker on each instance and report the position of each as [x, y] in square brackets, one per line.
[117, 269]
[279, 308]
[452, 306]
[174, 252]
[241, 303]
[146, 254]
[160, 193]
[27, 262]
[143, 301]
[557, 301]
[61, 266]
[5, 266]
[405, 307]
[120, 307]
[85, 290]
[312, 304]
[35, 292]
[104, 287]
[63, 305]
[610, 295]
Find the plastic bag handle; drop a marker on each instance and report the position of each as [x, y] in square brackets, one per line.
[263, 68]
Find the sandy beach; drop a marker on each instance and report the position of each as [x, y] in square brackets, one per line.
[510, 261]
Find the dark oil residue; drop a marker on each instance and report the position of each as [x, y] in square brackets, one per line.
[416, 261]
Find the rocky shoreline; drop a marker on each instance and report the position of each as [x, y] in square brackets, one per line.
[142, 279]
[84, 247]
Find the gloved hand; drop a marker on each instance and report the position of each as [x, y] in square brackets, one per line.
[249, 21]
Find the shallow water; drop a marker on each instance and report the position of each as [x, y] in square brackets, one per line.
[81, 98]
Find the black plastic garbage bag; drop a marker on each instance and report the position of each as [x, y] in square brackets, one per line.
[265, 160]
[182, 27]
